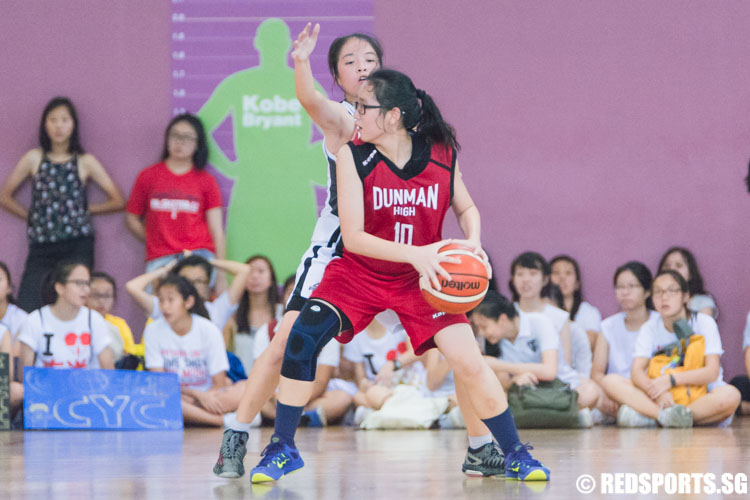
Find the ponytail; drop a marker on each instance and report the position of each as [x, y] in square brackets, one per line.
[394, 89]
[432, 125]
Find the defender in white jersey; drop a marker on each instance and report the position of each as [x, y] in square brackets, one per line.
[350, 59]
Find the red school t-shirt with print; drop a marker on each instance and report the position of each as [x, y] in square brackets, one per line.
[174, 209]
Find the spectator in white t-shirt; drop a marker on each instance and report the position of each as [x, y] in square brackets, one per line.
[11, 316]
[65, 333]
[616, 343]
[197, 271]
[259, 305]
[185, 342]
[683, 261]
[530, 285]
[742, 382]
[645, 401]
[566, 274]
[529, 349]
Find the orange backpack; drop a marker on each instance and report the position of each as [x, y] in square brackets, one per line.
[688, 353]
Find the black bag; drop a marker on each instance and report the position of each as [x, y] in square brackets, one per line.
[548, 405]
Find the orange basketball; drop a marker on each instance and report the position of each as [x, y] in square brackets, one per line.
[467, 286]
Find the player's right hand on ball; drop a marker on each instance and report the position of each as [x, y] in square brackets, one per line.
[426, 261]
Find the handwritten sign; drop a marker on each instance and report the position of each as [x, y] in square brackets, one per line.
[100, 399]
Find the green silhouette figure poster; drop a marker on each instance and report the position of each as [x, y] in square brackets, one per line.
[272, 209]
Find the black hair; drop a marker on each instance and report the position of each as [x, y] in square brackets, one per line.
[495, 304]
[577, 294]
[186, 289]
[334, 51]
[291, 279]
[695, 280]
[394, 89]
[240, 317]
[492, 285]
[641, 273]
[529, 260]
[200, 157]
[59, 274]
[4, 268]
[193, 261]
[74, 144]
[555, 295]
[747, 179]
[101, 275]
[681, 281]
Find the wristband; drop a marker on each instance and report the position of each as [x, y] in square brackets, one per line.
[672, 380]
[396, 365]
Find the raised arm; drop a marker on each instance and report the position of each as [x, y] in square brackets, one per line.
[136, 287]
[22, 170]
[332, 118]
[115, 201]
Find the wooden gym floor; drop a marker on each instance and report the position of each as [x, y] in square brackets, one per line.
[343, 463]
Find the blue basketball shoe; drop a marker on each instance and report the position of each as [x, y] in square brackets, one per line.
[278, 460]
[520, 465]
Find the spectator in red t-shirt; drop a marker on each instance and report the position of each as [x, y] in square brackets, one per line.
[175, 205]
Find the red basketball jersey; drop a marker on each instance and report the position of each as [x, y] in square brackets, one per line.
[404, 205]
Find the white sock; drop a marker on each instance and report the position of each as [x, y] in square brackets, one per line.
[476, 442]
[231, 422]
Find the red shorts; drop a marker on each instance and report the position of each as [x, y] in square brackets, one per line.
[361, 295]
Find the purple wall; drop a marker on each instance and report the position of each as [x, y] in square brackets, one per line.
[112, 59]
[609, 131]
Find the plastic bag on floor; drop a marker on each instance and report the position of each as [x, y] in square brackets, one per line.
[406, 409]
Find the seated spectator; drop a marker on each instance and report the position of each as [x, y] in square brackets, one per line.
[197, 271]
[102, 300]
[741, 382]
[185, 342]
[383, 358]
[530, 285]
[567, 275]
[175, 204]
[529, 350]
[11, 316]
[65, 333]
[682, 260]
[645, 401]
[16, 389]
[616, 343]
[259, 305]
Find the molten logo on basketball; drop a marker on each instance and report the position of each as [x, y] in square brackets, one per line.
[461, 285]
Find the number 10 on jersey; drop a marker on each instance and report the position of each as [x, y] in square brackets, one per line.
[404, 233]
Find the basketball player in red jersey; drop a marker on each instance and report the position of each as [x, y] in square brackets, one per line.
[351, 59]
[394, 191]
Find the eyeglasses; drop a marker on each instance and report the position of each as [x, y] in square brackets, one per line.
[362, 108]
[667, 292]
[102, 296]
[174, 136]
[625, 288]
[80, 283]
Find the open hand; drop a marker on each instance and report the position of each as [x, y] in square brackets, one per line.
[305, 43]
